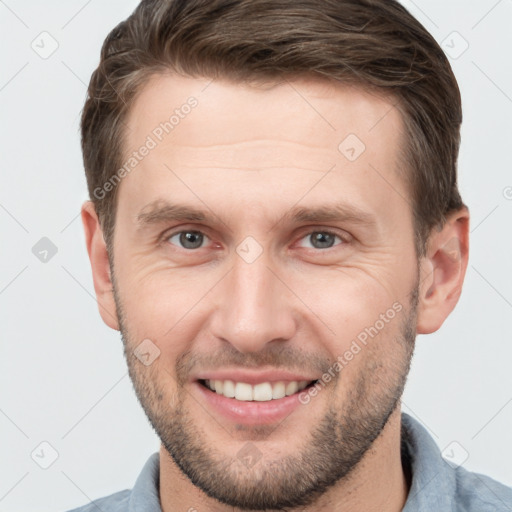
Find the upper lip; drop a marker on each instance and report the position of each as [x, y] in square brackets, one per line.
[253, 377]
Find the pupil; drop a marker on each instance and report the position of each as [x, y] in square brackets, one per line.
[191, 239]
[322, 240]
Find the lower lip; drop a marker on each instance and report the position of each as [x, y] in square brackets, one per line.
[250, 412]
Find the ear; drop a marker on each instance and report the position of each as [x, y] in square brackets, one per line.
[442, 272]
[98, 256]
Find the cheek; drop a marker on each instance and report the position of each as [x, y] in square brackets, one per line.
[349, 300]
[169, 325]
[159, 301]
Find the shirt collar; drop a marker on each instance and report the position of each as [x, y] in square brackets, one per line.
[433, 479]
[145, 493]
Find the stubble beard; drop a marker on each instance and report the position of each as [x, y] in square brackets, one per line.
[329, 454]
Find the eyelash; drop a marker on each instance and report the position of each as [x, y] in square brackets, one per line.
[343, 240]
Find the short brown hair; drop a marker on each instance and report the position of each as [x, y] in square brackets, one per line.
[374, 44]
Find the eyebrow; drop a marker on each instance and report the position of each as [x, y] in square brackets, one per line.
[331, 213]
[162, 211]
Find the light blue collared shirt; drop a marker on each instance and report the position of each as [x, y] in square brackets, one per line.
[436, 485]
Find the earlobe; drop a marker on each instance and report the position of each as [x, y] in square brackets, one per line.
[442, 272]
[100, 266]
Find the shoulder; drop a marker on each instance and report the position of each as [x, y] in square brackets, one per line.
[117, 502]
[143, 496]
[476, 492]
[438, 484]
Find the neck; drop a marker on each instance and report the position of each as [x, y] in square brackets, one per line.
[378, 483]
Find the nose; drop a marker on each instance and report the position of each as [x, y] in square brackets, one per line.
[253, 307]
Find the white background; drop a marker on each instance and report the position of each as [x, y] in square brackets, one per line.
[63, 375]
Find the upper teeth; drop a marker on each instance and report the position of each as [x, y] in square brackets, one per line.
[260, 392]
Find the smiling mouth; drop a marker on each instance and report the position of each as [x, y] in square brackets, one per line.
[263, 392]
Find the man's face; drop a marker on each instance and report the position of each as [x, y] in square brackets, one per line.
[259, 242]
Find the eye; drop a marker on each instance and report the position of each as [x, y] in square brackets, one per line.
[188, 239]
[320, 240]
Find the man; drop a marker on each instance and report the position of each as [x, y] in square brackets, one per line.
[274, 216]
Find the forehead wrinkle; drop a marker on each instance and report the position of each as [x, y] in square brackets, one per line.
[267, 154]
[250, 169]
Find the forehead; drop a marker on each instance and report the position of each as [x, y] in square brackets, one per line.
[290, 130]
[321, 110]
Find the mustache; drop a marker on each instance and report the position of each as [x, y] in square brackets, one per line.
[274, 356]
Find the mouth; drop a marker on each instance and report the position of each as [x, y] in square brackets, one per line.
[261, 392]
